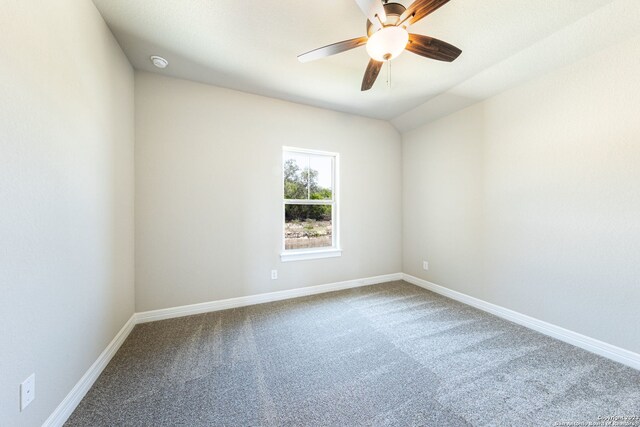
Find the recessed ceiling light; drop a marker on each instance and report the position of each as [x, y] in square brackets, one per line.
[159, 61]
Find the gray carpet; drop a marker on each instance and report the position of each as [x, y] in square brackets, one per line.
[384, 355]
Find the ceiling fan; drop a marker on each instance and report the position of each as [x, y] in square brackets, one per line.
[387, 36]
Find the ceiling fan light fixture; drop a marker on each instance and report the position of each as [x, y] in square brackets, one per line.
[387, 43]
[387, 38]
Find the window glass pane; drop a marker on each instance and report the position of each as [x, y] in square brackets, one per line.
[321, 177]
[295, 182]
[307, 226]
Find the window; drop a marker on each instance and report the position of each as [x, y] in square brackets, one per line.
[310, 204]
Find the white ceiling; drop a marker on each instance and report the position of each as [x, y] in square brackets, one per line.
[252, 45]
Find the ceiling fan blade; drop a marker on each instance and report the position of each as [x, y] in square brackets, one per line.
[421, 8]
[371, 8]
[432, 48]
[371, 74]
[332, 49]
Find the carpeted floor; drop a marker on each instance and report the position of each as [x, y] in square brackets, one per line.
[383, 355]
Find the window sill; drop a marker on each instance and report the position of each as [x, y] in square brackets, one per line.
[310, 254]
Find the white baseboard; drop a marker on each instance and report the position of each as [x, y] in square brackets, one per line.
[609, 351]
[71, 401]
[205, 307]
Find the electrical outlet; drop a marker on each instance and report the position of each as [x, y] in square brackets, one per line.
[425, 265]
[274, 274]
[27, 391]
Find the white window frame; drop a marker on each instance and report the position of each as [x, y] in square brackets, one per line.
[314, 253]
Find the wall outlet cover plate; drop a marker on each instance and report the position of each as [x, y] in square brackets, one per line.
[27, 391]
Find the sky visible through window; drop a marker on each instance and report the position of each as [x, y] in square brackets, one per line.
[322, 164]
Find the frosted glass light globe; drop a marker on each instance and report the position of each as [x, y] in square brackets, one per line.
[387, 43]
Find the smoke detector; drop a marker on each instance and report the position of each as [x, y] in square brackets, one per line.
[159, 61]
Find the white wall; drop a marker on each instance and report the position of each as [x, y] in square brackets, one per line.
[208, 193]
[531, 199]
[66, 198]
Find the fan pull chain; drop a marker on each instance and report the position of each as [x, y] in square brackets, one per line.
[389, 74]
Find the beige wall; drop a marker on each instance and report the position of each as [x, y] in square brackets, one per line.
[208, 193]
[528, 200]
[531, 199]
[66, 197]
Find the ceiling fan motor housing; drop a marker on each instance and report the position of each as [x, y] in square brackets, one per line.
[386, 43]
[393, 11]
